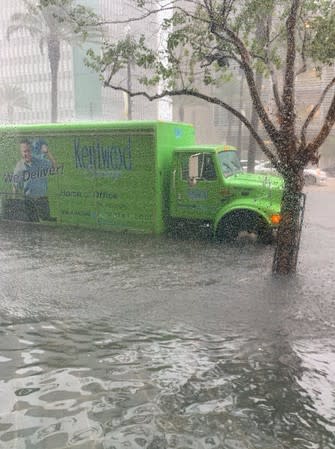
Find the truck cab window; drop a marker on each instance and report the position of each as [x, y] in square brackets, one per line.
[208, 171]
[205, 164]
[229, 162]
[184, 167]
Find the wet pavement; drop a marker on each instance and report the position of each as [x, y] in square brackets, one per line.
[126, 341]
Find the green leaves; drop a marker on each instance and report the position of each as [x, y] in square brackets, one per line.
[207, 42]
[322, 34]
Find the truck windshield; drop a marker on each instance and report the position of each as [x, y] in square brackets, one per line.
[229, 163]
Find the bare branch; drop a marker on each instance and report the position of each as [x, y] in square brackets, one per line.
[278, 35]
[245, 64]
[303, 67]
[271, 68]
[226, 9]
[134, 19]
[208, 99]
[313, 112]
[151, 12]
[325, 130]
[275, 89]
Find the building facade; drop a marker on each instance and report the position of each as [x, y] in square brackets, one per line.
[81, 95]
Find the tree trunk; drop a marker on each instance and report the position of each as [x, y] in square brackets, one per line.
[54, 57]
[288, 237]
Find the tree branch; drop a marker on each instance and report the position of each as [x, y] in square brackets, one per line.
[303, 67]
[288, 115]
[208, 99]
[324, 132]
[170, 6]
[268, 62]
[313, 112]
[246, 66]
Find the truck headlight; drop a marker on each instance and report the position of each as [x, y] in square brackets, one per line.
[275, 219]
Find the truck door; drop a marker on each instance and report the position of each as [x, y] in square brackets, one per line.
[195, 186]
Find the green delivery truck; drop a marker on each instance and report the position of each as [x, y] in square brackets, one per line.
[145, 176]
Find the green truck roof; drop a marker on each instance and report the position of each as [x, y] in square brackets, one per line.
[207, 148]
[77, 126]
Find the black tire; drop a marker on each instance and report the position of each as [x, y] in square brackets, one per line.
[230, 226]
[265, 234]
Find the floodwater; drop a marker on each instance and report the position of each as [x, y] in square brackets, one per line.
[126, 341]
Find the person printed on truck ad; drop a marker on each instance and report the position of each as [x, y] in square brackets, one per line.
[31, 172]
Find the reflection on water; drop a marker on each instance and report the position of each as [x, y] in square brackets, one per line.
[119, 341]
[70, 384]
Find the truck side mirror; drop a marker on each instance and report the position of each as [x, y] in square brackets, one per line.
[193, 169]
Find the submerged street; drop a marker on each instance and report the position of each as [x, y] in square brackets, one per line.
[125, 341]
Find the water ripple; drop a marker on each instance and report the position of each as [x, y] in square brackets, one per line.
[119, 341]
[158, 388]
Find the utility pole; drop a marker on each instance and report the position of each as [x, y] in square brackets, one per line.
[129, 102]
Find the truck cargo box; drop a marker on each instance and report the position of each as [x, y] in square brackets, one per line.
[108, 175]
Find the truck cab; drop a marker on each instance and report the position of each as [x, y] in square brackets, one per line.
[208, 186]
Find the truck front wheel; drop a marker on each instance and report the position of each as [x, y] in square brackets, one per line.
[229, 227]
[232, 224]
[265, 234]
